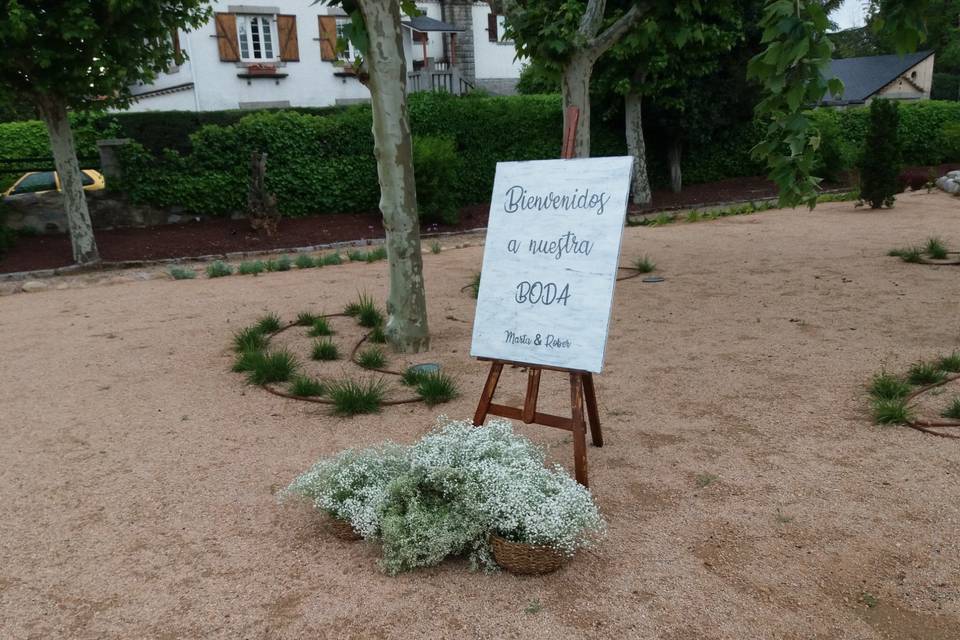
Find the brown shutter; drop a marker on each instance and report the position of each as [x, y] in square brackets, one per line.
[287, 32]
[227, 44]
[328, 38]
[492, 27]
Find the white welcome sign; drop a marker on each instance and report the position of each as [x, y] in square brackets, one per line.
[550, 261]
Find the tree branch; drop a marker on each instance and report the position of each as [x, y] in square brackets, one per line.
[599, 45]
[592, 18]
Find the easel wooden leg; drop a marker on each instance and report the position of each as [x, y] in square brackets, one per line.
[579, 428]
[590, 393]
[488, 390]
[533, 391]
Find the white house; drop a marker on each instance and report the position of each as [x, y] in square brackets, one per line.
[281, 53]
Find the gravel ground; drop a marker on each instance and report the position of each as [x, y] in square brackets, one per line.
[137, 473]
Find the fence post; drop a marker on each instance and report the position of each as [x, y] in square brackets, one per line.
[110, 158]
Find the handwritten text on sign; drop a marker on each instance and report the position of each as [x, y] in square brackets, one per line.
[550, 261]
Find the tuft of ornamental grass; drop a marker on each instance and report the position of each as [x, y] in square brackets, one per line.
[251, 268]
[246, 361]
[377, 335]
[412, 377]
[475, 285]
[305, 387]
[912, 255]
[357, 256]
[269, 323]
[891, 411]
[330, 259]
[644, 264]
[436, 388]
[953, 409]
[351, 397]
[273, 366]
[885, 386]
[936, 249]
[219, 269]
[365, 311]
[306, 261]
[694, 216]
[661, 219]
[306, 319]
[182, 273]
[950, 362]
[324, 350]
[895, 253]
[436, 247]
[284, 263]
[375, 255]
[372, 358]
[923, 373]
[249, 339]
[319, 328]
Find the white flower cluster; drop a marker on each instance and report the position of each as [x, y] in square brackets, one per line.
[447, 493]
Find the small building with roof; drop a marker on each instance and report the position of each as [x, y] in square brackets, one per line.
[894, 77]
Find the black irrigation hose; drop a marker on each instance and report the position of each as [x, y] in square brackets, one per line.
[925, 425]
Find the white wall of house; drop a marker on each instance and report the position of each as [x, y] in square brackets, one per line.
[915, 84]
[309, 81]
[494, 60]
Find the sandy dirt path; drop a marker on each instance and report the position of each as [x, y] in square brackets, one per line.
[137, 473]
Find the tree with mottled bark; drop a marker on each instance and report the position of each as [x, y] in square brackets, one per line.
[375, 31]
[79, 54]
[571, 37]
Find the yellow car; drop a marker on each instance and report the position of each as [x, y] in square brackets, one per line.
[42, 181]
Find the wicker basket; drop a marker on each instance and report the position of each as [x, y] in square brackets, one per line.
[525, 559]
[342, 529]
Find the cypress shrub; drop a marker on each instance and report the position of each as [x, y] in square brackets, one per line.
[880, 163]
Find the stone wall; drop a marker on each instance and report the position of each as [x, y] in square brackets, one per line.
[459, 13]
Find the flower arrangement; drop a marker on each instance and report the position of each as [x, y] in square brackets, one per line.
[449, 492]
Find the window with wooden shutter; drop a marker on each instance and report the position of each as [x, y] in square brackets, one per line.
[328, 38]
[227, 45]
[287, 32]
[492, 30]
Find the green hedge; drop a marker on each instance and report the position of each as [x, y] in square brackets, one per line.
[946, 86]
[29, 140]
[321, 161]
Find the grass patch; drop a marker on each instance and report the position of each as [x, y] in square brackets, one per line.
[284, 263]
[246, 361]
[660, 220]
[694, 216]
[533, 607]
[306, 387]
[923, 372]
[436, 247]
[704, 480]
[950, 362]
[953, 409]
[372, 358]
[357, 256]
[436, 388]
[936, 249]
[351, 397]
[912, 255]
[412, 377]
[276, 366]
[891, 411]
[474, 285]
[375, 255]
[181, 273]
[249, 339]
[869, 599]
[644, 264]
[377, 336]
[219, 269]
[319, 328]
[365, 311]
[306, 261]
[251, 268]
[885, 386]
[330, 259]
[324, 350]
[306, 319]
[269, 323]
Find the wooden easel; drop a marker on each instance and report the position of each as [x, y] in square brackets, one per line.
[581, 382]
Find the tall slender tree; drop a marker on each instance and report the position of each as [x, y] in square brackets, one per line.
[77, 54]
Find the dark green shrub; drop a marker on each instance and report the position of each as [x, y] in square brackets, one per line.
[832, 157]
[880, 163]
[436, 166]
[951, 141]
[946, 86]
